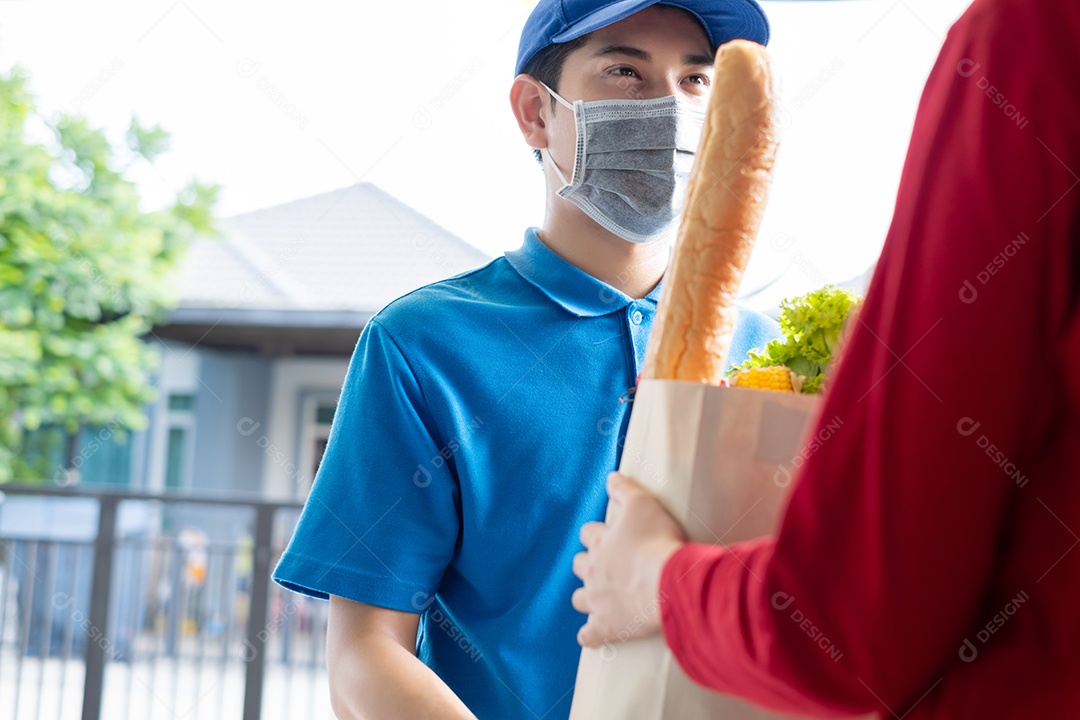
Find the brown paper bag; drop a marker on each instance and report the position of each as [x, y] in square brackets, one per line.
[720, 461]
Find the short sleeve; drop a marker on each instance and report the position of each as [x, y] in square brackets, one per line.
[753, 332]
[382, 520]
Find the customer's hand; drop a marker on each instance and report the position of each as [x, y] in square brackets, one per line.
[622, 564]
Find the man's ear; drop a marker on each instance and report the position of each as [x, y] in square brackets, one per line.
[527, 98]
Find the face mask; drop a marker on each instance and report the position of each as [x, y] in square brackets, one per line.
[633, 162]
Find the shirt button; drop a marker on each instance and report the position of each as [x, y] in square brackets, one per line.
[636, 317]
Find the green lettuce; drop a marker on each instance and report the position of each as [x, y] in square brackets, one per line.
[812, 326]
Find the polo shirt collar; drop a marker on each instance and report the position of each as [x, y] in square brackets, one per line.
[567, 285]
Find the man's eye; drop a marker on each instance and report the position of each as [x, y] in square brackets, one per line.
[625, 72]
[699, 79]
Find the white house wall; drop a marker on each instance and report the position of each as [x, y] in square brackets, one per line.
[279, 432]
[177, 374]
[234, 385]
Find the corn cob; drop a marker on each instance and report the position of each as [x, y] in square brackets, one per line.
[777, 378]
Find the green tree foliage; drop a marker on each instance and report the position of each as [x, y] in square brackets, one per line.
[84, 272]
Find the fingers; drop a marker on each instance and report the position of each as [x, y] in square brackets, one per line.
[591, 533]
[588, 636]
[581, 561]
[620, 487]
[615, 485]
[580, 601]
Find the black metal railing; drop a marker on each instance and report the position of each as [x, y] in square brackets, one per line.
[163, 602]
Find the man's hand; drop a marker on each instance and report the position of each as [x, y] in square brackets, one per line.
[622, 564]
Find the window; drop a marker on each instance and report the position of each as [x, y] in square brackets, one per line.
[179, 441]
[316, 417]
[175, 458]
[324, 419]
[181, 402]
[324, 413]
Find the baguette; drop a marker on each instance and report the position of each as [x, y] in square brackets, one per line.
[726, 200]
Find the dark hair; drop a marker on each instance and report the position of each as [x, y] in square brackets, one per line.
[547, 66]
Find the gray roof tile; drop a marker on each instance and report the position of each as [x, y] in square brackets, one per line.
[356, 248]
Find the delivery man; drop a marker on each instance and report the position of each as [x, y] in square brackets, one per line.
[481, 414]
[927, 565]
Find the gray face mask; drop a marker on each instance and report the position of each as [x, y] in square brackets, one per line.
[633, 162]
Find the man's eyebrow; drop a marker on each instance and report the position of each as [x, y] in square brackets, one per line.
[623, 50]
[630, 51]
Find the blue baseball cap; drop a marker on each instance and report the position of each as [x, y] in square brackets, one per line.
[559, 21]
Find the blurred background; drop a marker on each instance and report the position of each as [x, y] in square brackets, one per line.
[202, 204]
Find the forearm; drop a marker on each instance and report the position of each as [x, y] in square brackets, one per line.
[381, 679]
[757, 642]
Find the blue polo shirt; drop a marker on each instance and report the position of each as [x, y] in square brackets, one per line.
[477, 423]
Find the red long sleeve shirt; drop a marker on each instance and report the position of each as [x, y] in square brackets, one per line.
[927, 564]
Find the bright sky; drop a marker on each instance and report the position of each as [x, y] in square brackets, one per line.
[275, 102]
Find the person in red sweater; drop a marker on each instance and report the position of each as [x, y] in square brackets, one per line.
[927, 563]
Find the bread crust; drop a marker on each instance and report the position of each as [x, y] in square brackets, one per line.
[726, 201]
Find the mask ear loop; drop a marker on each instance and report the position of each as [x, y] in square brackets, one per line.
[577, 131]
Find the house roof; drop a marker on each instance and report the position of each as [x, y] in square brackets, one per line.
[305, 276]
[353, 249]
